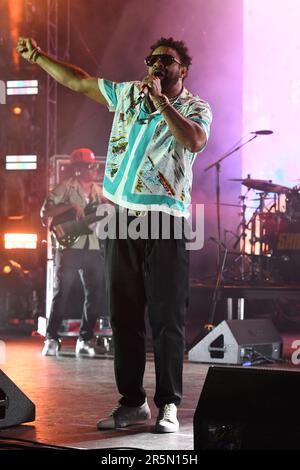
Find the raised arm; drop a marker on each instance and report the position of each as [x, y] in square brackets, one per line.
[66, 74]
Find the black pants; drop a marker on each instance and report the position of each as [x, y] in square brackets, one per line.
[153, 273]
[90, 266]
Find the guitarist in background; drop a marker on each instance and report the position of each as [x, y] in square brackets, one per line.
[71, 198]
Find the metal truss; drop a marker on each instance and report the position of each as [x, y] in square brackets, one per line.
[51, 93]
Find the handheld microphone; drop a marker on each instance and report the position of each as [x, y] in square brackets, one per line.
[145, 90]
[267, 132]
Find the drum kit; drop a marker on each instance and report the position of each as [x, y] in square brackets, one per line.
[270, 239]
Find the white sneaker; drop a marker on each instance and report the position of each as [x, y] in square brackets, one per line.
[51, 347]
[167, 419]
[123, 416]
[84, 348]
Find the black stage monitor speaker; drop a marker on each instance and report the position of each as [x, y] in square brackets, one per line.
[15, 407]
[238, 342]
[248, 409]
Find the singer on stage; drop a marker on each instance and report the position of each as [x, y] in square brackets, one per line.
[158, 129]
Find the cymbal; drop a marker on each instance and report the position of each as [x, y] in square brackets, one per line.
[265, 199]
[231, 205]
[262, 185]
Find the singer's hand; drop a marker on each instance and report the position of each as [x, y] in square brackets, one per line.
[154, 85]
[25, 47]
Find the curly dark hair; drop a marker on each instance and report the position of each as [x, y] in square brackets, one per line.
[179, 46]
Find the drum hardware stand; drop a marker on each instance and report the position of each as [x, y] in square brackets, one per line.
[264, 225]
[241, 239]
[256, 269]
[217, 166]
[241, 235]
[262, 243]
[260, 272]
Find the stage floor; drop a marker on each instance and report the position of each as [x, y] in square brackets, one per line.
[71, 394]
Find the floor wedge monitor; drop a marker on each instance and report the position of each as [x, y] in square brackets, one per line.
[239, 342]
[15, 406]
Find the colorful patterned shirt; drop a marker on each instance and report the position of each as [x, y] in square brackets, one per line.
[146, 168]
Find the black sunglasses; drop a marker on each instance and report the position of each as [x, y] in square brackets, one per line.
[88, 166]
[166, 59]
[92, 166]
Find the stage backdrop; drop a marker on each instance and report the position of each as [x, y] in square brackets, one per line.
[271, 89]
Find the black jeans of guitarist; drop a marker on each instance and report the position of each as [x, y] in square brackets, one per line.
[89, 264]
[154, 274]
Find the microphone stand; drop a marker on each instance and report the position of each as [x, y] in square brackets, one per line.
[217, 166]
[215, 297]
[208, 327]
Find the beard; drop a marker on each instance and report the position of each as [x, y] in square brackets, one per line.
[168, 81]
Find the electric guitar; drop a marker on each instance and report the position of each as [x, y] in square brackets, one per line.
[67, 228]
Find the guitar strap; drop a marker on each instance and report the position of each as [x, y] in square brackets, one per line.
[86, 246]
[86, 243]
[91, 200]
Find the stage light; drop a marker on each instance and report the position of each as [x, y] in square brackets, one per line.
[16, 110]
[7, 269]
[20, 241]
[22, 87]
[21, 162]
[15, 217]
[2, 92]
[9, 266]
[15, 16]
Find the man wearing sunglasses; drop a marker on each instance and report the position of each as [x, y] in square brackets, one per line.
[158, 128]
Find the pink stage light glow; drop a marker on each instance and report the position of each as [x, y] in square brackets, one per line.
[271, 93]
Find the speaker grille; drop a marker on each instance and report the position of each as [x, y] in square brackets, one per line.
[248, 409]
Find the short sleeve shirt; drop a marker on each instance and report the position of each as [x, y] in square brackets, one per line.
[146, 168]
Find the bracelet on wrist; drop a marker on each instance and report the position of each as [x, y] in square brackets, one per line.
[161, 108]
[161, 102]
[34, 54]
